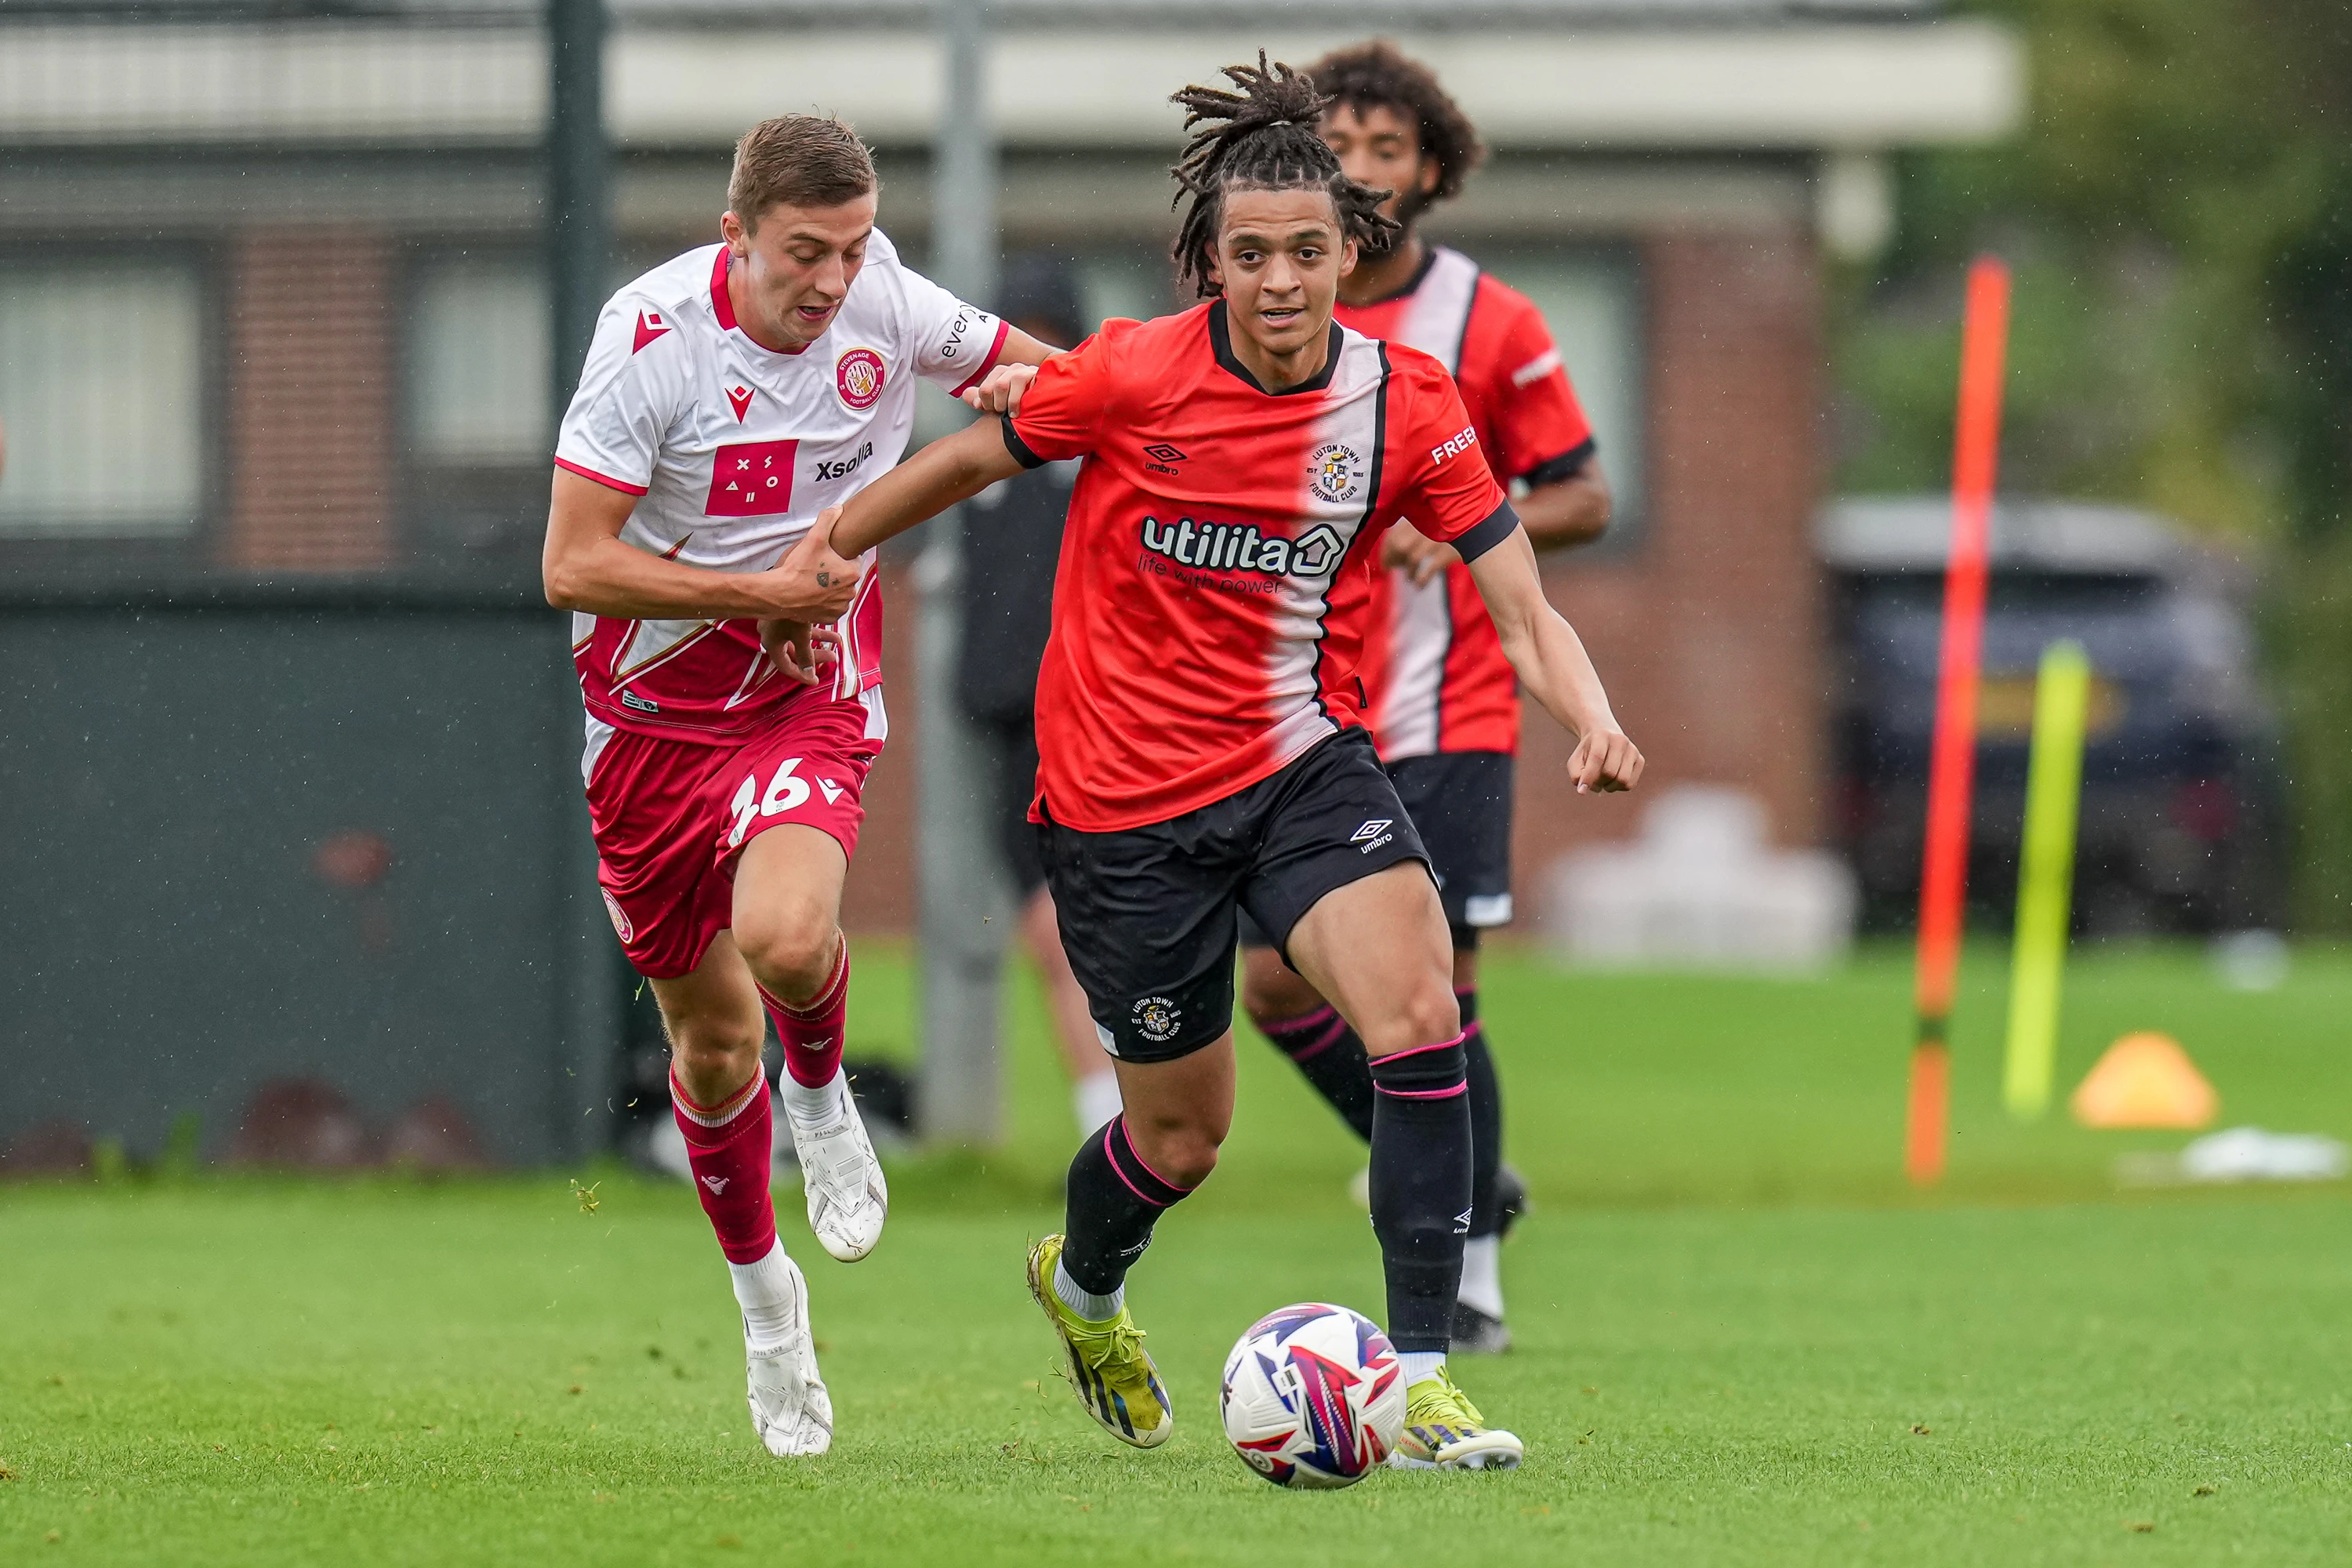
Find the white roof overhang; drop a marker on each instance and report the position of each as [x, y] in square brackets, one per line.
[1838, 86]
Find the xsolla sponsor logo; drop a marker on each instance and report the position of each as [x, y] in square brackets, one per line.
[1454, 445]
[843, 467]
[1237, 547]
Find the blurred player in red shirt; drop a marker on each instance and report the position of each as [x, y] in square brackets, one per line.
[729, 396]
[1197, 757]
[1440, 696]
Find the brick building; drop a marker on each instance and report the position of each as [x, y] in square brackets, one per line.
[273, 299]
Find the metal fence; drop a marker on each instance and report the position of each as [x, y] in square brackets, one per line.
[295, 867]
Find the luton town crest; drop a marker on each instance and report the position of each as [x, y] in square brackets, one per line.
[1336, 473]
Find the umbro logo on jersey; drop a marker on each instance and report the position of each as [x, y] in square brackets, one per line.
[1373, 834]
[1161, 452]
[651, 324]
[739, 399]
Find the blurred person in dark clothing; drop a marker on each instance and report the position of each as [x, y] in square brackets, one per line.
[1007, 594]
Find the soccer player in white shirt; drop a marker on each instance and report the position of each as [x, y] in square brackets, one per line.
[729, 394]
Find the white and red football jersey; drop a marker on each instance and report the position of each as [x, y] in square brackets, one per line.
[1208, 532]
[1432, 667]
[734, 449]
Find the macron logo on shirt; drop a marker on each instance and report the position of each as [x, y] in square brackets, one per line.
[650, 325]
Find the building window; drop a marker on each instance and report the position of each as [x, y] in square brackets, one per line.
[1591, 299]
[478, 426]
[101, 400]
[478, 380]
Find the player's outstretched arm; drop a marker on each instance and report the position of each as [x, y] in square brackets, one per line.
[1551, 663]
[951, 469]
[585, 566]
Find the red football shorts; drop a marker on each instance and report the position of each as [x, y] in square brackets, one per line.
[670, 816]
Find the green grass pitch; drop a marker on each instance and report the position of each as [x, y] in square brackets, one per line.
[1742, 1339]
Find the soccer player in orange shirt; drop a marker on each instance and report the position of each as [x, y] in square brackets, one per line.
[1243, 461]
[1440, 696]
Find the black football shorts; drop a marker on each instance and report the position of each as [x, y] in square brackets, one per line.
[1150, 915]
[1460, 802]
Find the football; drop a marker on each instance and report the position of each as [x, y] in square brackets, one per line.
[1313, 1396]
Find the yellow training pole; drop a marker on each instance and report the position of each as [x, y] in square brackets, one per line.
[2045, 880]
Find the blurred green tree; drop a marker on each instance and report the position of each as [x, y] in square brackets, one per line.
[2179, 215]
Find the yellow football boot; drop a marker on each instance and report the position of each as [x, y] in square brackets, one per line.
[1443, 1431]
[1113, 1376]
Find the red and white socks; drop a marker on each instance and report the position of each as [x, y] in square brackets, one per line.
[814, 1092]
[727, 1147]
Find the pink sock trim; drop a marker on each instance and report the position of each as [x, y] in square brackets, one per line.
[1304, 1021]
[1123, 1182]
[1330, 1037]
[1416, 1050]
[1120, 1120]
[1462, 1088]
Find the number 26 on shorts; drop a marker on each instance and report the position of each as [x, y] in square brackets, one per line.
[785, 792]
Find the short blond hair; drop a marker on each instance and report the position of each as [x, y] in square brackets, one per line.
[798, 160]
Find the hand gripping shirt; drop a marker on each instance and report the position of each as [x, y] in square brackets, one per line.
[735, 448]
[1433, 666]
[1211, 526]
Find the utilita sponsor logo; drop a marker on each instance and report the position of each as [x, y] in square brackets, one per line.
[1240, 547]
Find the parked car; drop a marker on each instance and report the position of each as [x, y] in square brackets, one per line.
[2181, 816]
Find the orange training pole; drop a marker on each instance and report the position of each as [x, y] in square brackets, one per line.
[1943, 878]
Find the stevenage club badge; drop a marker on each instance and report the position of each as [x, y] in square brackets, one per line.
[858, 375]
[1335, 472]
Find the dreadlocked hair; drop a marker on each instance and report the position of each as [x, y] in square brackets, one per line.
[1266, 137]
[1379, 74]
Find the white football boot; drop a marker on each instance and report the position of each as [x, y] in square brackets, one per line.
[847, 1199]
[789, 1407]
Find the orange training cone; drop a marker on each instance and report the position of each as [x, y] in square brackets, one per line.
[2145, 1081]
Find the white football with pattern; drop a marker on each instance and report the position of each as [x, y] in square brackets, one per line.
[1313, 1396]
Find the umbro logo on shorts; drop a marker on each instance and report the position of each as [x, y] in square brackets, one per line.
[1373, 834]
[1162, 452]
